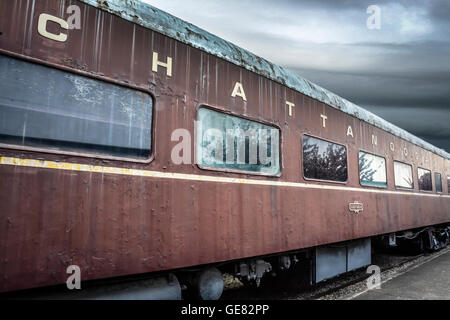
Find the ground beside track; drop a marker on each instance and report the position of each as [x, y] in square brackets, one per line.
[436, 272]
[429, 280]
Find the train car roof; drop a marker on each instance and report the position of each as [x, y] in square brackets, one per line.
[155, 19]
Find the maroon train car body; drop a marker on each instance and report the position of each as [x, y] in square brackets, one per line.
[117, 216]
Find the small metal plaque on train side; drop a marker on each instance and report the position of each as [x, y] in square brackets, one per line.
[356, 207]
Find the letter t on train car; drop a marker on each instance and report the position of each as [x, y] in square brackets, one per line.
[290, 105]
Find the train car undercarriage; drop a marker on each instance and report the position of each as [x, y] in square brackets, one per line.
[206, 282]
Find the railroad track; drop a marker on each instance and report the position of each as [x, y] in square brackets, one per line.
[362, 279]
[345, 286]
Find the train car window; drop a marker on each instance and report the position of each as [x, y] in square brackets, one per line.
[424, 176]
[438, 179]
[448, 184]
[324, 160]
[56, 110]
[372, 170]
[403, 175]
[232, 143]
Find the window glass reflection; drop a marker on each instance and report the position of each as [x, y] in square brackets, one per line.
[438, 179]
[424, 179]
[372, 170]
[403, 175]
[231, 142]
[448, 184]
[50, 108]
[324, 160]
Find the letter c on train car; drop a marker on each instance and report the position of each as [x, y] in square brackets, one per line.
[42, 27]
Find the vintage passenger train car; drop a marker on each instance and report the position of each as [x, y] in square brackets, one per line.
[136, 145]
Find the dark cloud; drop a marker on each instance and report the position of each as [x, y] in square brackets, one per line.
[430, 124]
[439, 9]
[417, 103]
[408, 86]
[406, 91]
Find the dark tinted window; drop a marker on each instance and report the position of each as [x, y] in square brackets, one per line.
[230, 142]
[46, 107]
[424, 179]
[403, 175]
[324, 160]
[448, 184]
[438, 179]
[372, 170]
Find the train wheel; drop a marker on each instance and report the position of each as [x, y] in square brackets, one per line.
[206, 284]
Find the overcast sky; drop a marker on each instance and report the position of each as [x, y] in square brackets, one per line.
[400, 72]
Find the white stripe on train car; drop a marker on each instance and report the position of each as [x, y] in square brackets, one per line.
[193, 177]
